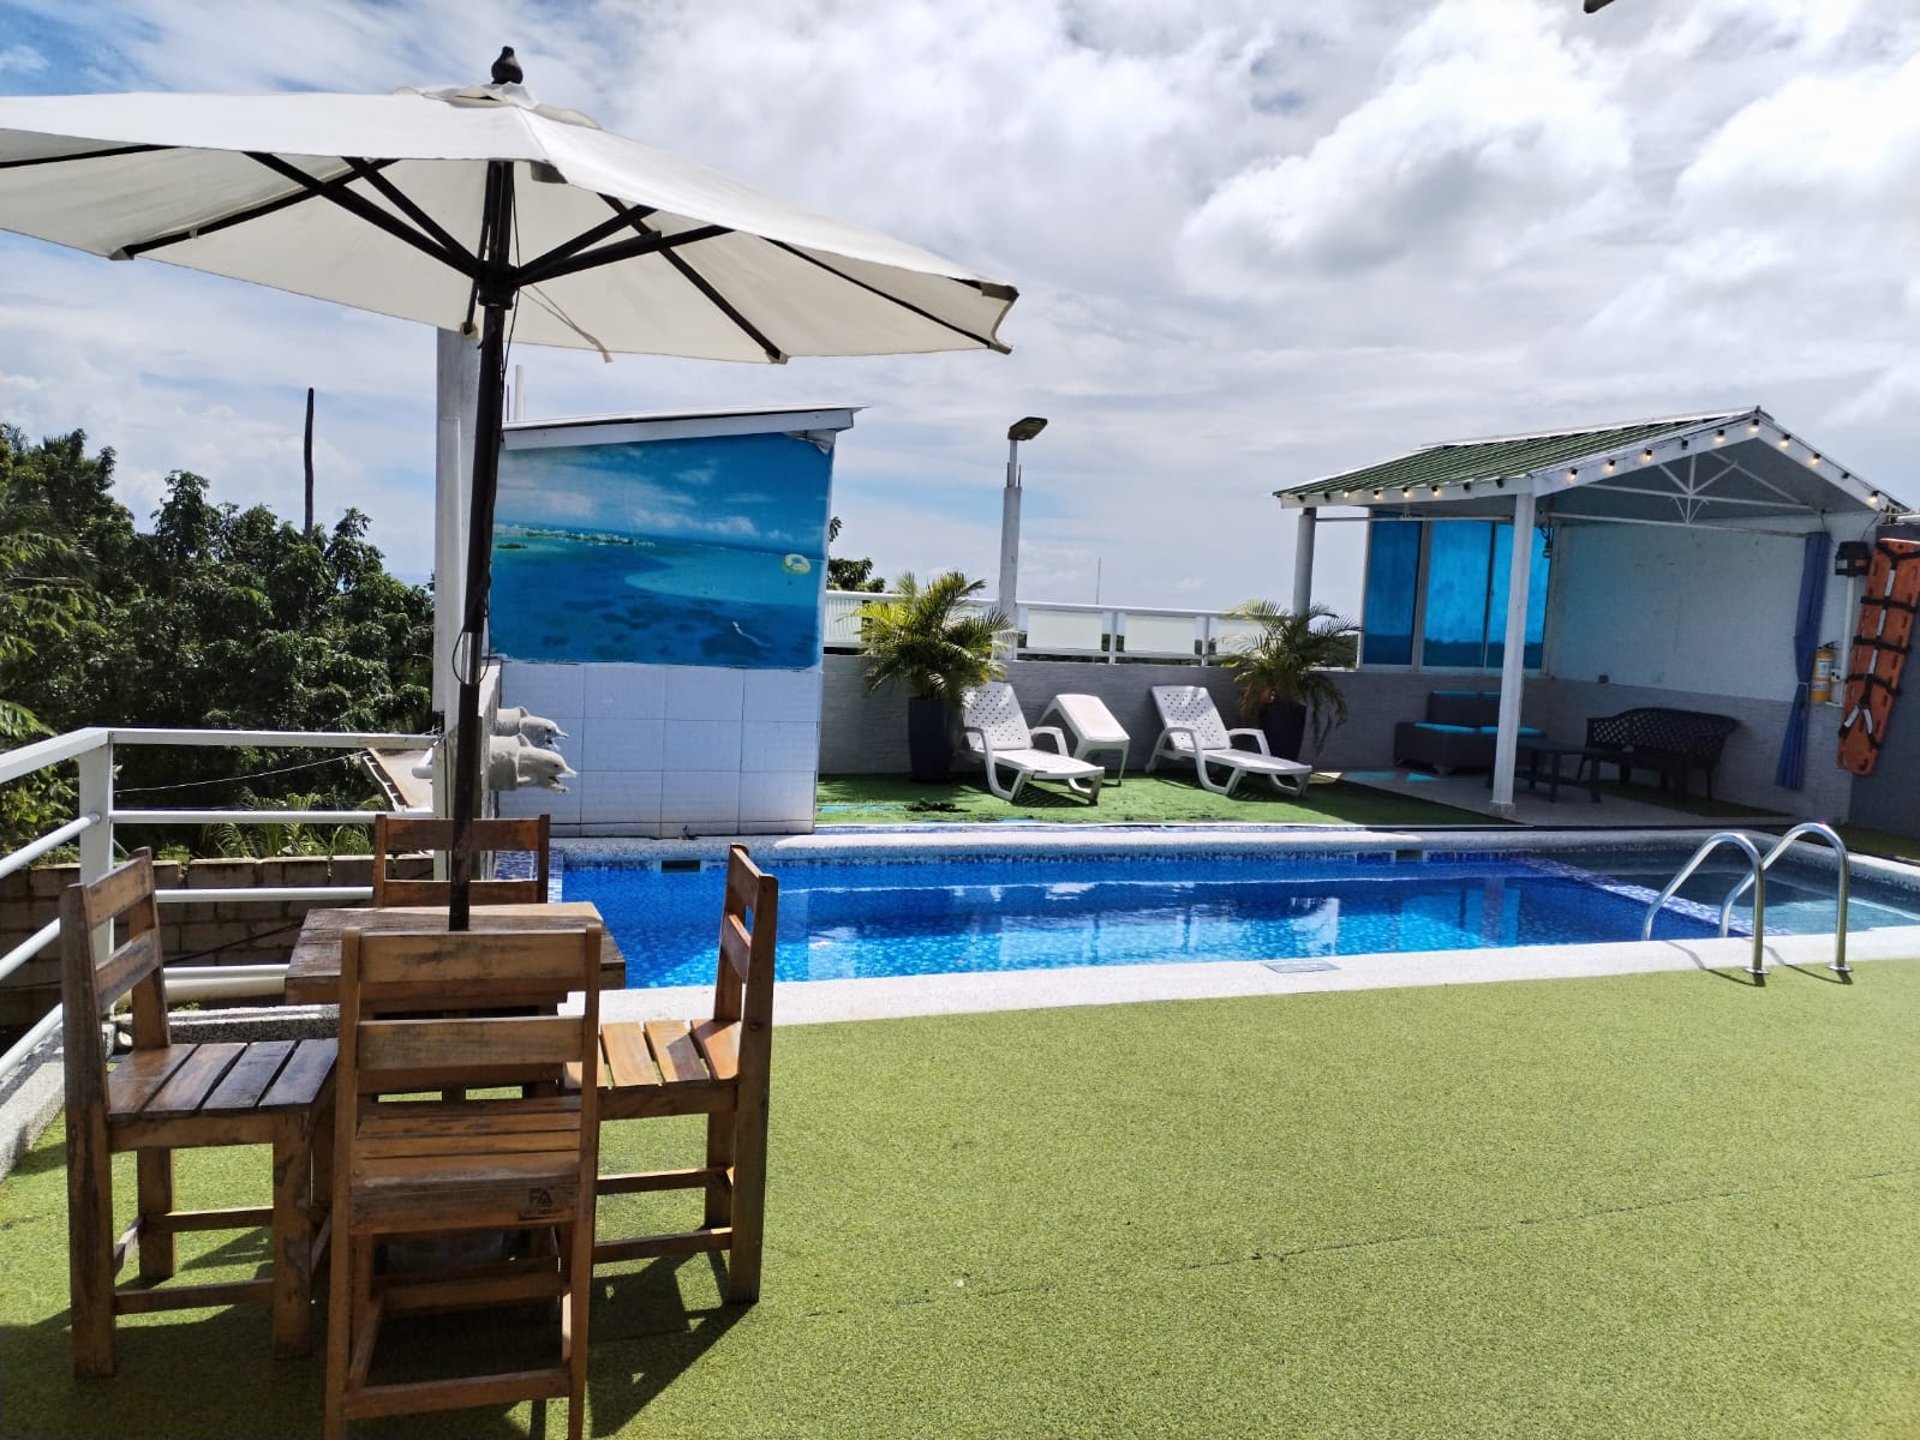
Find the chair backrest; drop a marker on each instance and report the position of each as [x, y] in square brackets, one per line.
[994, 710]
[743, 988]
[390, 983]
[1192, 705]
[96, 972]
[400, 835]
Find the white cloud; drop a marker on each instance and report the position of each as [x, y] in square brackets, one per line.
[1255, 244]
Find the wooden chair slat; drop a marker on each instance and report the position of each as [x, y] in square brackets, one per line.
[736, 946]
[126, 967]
[498, 1041]
[188, 1087]
[719, 1042]
[137, 1077]
[304, 1076]
[475, 958]
[482, 892]
[465, 1117]
[675, 1053]
[743, 887]
[503, 1142]
[252, 1073]
[120, 889]
[628, 1065]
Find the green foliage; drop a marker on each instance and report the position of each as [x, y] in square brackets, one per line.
[845, 574]
[929, 640]
[220, 617]
[277, 838]
[1287, 662]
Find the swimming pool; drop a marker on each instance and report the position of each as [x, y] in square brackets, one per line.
[946, 914]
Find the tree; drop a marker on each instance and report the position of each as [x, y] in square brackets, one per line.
[850, 574]
[219, 617]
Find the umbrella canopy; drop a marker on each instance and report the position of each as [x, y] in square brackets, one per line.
[377, 202]
[440, 205]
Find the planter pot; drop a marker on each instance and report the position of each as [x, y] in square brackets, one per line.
[929, 739]
[1285, 726]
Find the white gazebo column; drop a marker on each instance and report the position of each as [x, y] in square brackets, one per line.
[1513, 657]
[456, 394]
[1303, 561]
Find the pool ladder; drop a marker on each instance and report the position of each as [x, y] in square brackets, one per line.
[1756, 880]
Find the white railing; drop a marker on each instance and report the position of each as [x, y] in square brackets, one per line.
[93, 749]
[1105, 633]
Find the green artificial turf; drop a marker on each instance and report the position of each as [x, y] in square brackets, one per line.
[1656, 1205]
[1140, 799]
[1862, 841]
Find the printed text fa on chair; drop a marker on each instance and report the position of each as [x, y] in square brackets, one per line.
[162, 1097]
[523, 1162]
[717, 1067]
[1192, 731]
[996, 734]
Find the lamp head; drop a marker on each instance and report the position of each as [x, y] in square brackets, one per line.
[1026, 429]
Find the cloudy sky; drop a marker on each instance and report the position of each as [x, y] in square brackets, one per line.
[1255, 243]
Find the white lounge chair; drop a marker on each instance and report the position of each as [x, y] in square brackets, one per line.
[1193, 732]
[996, 734]
[1091, 728]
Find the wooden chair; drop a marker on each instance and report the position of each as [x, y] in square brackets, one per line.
[164, 1097]
[717, 1067]
[401, 835]
[436, 1167]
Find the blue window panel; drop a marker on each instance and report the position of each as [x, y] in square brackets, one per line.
[1536, 600]
[1459, 557]
[1393, 570]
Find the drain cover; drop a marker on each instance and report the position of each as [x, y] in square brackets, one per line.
[1298, 967]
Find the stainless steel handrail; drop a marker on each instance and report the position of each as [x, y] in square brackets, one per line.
[1786, 842]
[1757, 877]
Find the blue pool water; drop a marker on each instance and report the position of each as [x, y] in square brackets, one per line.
[840, 920]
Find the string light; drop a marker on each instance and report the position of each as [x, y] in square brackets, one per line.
[1609, 467]
[1719, 437]
[1646, 457]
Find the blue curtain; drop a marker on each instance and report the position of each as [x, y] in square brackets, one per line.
[1791, 772]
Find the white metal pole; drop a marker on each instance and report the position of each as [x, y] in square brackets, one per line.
[1303, 561]
[1010, 537]
[1513, 658]
[456, 390]
[519, 392]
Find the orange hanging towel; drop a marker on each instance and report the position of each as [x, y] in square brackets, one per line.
[1879, 651]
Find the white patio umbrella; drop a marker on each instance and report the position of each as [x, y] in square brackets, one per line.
[446, 204]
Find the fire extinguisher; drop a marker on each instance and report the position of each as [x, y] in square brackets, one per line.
[1820, 690]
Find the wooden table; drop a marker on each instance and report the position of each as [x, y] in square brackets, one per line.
[313, 974]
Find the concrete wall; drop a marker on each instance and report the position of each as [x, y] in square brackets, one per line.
[864, 734]
[1710, 612]
[230, 932]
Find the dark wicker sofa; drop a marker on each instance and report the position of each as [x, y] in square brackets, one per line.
[1458, 733]
[1671, 743]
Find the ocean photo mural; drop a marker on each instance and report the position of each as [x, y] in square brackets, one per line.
[708, 551]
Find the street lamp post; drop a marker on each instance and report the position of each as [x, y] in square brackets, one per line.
[1020, 430]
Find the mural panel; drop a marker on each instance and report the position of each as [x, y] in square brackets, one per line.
[706, 551]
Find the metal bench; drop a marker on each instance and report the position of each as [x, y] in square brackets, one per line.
[1669, 742]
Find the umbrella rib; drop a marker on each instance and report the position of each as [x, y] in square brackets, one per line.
[82, 155]
[627, 214]
[366, 210]
[238, 217]
[985, 342]
[370, 172]
[533, 274]
[775, 355]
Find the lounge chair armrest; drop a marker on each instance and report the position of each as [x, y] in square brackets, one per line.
[977, 741]
[1058, 735]
[1259, 738]
[1193, 743]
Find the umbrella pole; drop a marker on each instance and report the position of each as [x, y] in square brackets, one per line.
[496, 298]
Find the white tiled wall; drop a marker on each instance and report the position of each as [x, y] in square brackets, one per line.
[663, 750]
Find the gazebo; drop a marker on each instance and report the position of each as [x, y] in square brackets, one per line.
[1682, 483]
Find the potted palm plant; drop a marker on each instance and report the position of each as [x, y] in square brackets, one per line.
[1282, 672]
[938, 645]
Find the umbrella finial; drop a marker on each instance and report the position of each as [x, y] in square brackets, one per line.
[506, 70]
